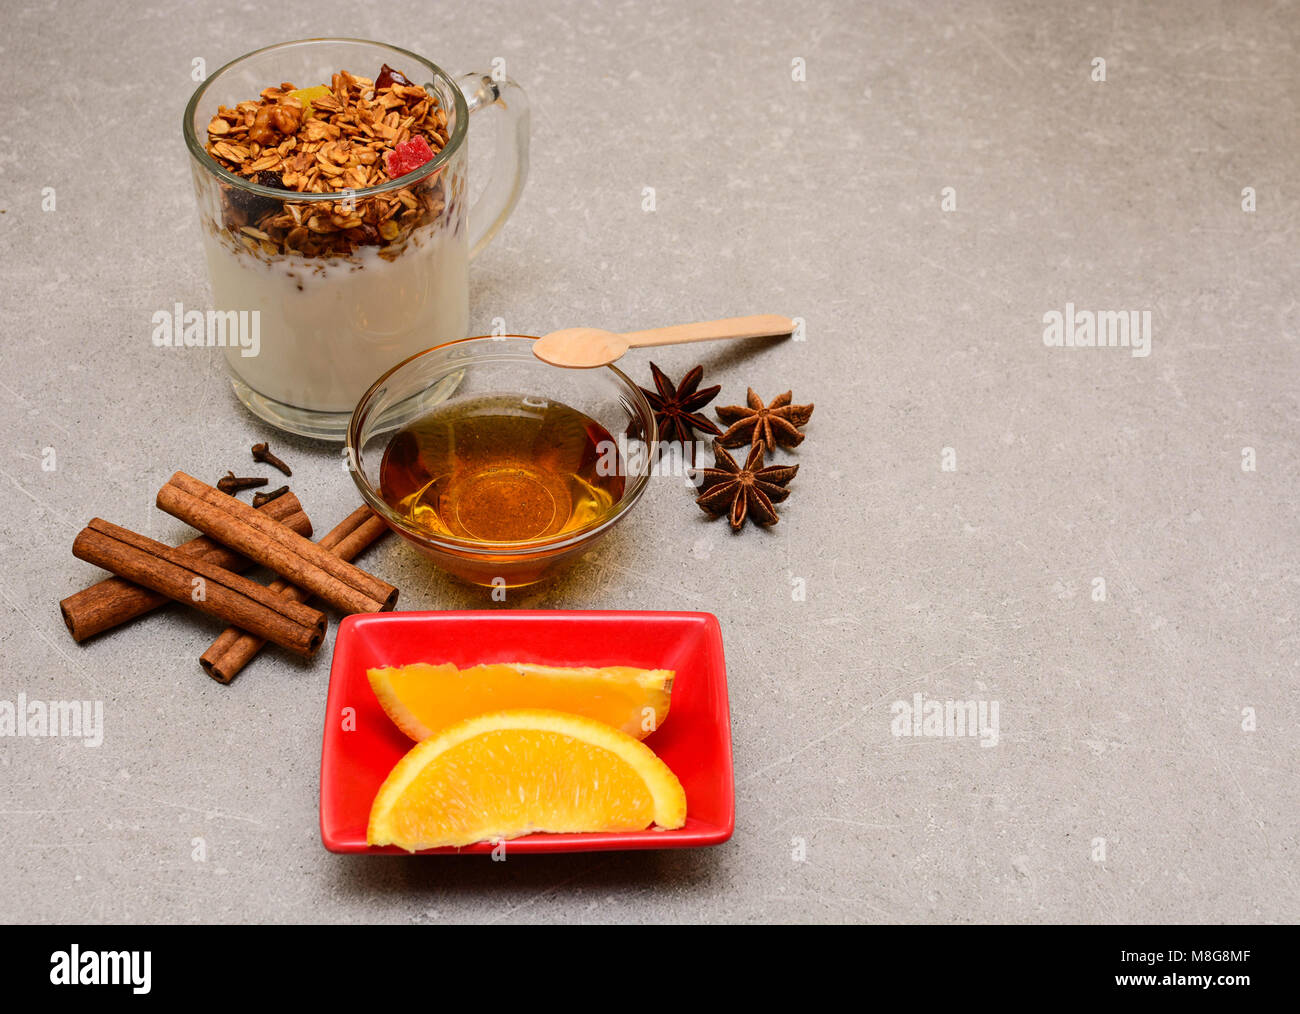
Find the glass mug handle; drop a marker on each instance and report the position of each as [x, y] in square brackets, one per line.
[498, 199]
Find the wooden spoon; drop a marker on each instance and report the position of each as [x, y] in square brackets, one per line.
[584, 348]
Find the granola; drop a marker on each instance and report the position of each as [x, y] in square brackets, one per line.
[335, 138]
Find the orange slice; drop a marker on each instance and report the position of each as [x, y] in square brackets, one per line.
[509, 773]
[424, 699]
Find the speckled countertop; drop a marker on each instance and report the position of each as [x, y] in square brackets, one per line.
[1101, 544]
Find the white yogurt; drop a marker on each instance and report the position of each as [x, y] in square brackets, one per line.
[329, 328]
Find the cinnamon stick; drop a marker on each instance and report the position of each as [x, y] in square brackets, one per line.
[114, 600]
[299, 561]
[235, 648]
[198, 583]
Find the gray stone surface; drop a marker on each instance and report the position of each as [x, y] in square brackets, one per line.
[1119, 720]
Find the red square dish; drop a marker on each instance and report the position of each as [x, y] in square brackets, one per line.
[361, 744]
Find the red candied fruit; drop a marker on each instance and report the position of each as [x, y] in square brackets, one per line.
[389, 77]
[407, 157]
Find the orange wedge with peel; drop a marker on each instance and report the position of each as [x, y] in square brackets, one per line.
[424, 699]
[510, 773]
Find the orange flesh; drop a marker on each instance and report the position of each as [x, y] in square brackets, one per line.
[511, 782]
[424, 699]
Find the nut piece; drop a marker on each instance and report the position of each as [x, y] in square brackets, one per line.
[272, 122]
[286, 118]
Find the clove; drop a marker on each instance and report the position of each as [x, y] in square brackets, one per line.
[232, 484]
[262, 453]
[263, 498]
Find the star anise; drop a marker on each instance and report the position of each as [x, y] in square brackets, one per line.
[747, 491]
[677, 407]
[777, 423]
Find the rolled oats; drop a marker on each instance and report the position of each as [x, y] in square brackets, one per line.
[333, 143]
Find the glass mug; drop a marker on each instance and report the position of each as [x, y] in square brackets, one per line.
[349, 283]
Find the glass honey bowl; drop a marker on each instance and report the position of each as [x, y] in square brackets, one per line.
[500, 468]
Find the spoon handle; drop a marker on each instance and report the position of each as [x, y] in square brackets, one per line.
[763, 325]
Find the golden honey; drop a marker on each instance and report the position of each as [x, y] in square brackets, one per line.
[501, 468]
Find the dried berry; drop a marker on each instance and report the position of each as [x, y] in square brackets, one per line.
[407, 157]
[365, 235]
[389, 77]
[254, 206]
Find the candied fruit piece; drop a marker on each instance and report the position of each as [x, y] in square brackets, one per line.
[389, 77]
[407, 157]
[306, 95]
